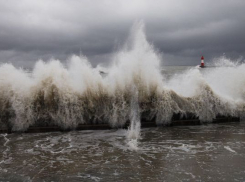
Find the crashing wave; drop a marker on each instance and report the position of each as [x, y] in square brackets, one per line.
[53, 94]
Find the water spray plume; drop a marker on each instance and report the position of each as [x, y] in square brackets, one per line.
[132, 89]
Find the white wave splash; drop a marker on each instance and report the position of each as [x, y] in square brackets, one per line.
[65, 96]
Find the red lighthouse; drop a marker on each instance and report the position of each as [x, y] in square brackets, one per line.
[202, 62]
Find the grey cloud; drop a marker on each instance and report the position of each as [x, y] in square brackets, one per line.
[180, 30]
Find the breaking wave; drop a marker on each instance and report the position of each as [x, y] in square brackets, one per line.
[65, 96]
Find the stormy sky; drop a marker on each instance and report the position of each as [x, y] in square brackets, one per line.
[181, 30]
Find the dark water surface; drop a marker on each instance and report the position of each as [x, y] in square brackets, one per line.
[214, 152]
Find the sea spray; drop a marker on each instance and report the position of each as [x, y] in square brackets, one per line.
[224, 61]
[54, 97]
[65, 96]
[206, 102]
[133, 133]
[15, 98]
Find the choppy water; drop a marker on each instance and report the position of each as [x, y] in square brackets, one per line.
[214, 152]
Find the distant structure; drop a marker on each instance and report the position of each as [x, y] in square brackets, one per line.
[202, 62]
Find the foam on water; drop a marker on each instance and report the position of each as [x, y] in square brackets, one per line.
[165, 154]
[55, 94]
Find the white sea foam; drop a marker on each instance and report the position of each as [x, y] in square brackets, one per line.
[229, 149]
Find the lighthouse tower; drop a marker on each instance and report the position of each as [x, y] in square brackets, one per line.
[202, 62]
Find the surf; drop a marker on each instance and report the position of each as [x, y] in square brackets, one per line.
[66, 95]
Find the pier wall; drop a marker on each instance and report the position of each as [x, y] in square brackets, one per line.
[177, 120]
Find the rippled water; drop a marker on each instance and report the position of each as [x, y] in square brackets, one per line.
[214, 152]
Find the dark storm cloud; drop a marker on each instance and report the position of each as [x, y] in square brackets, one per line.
[180, 30]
